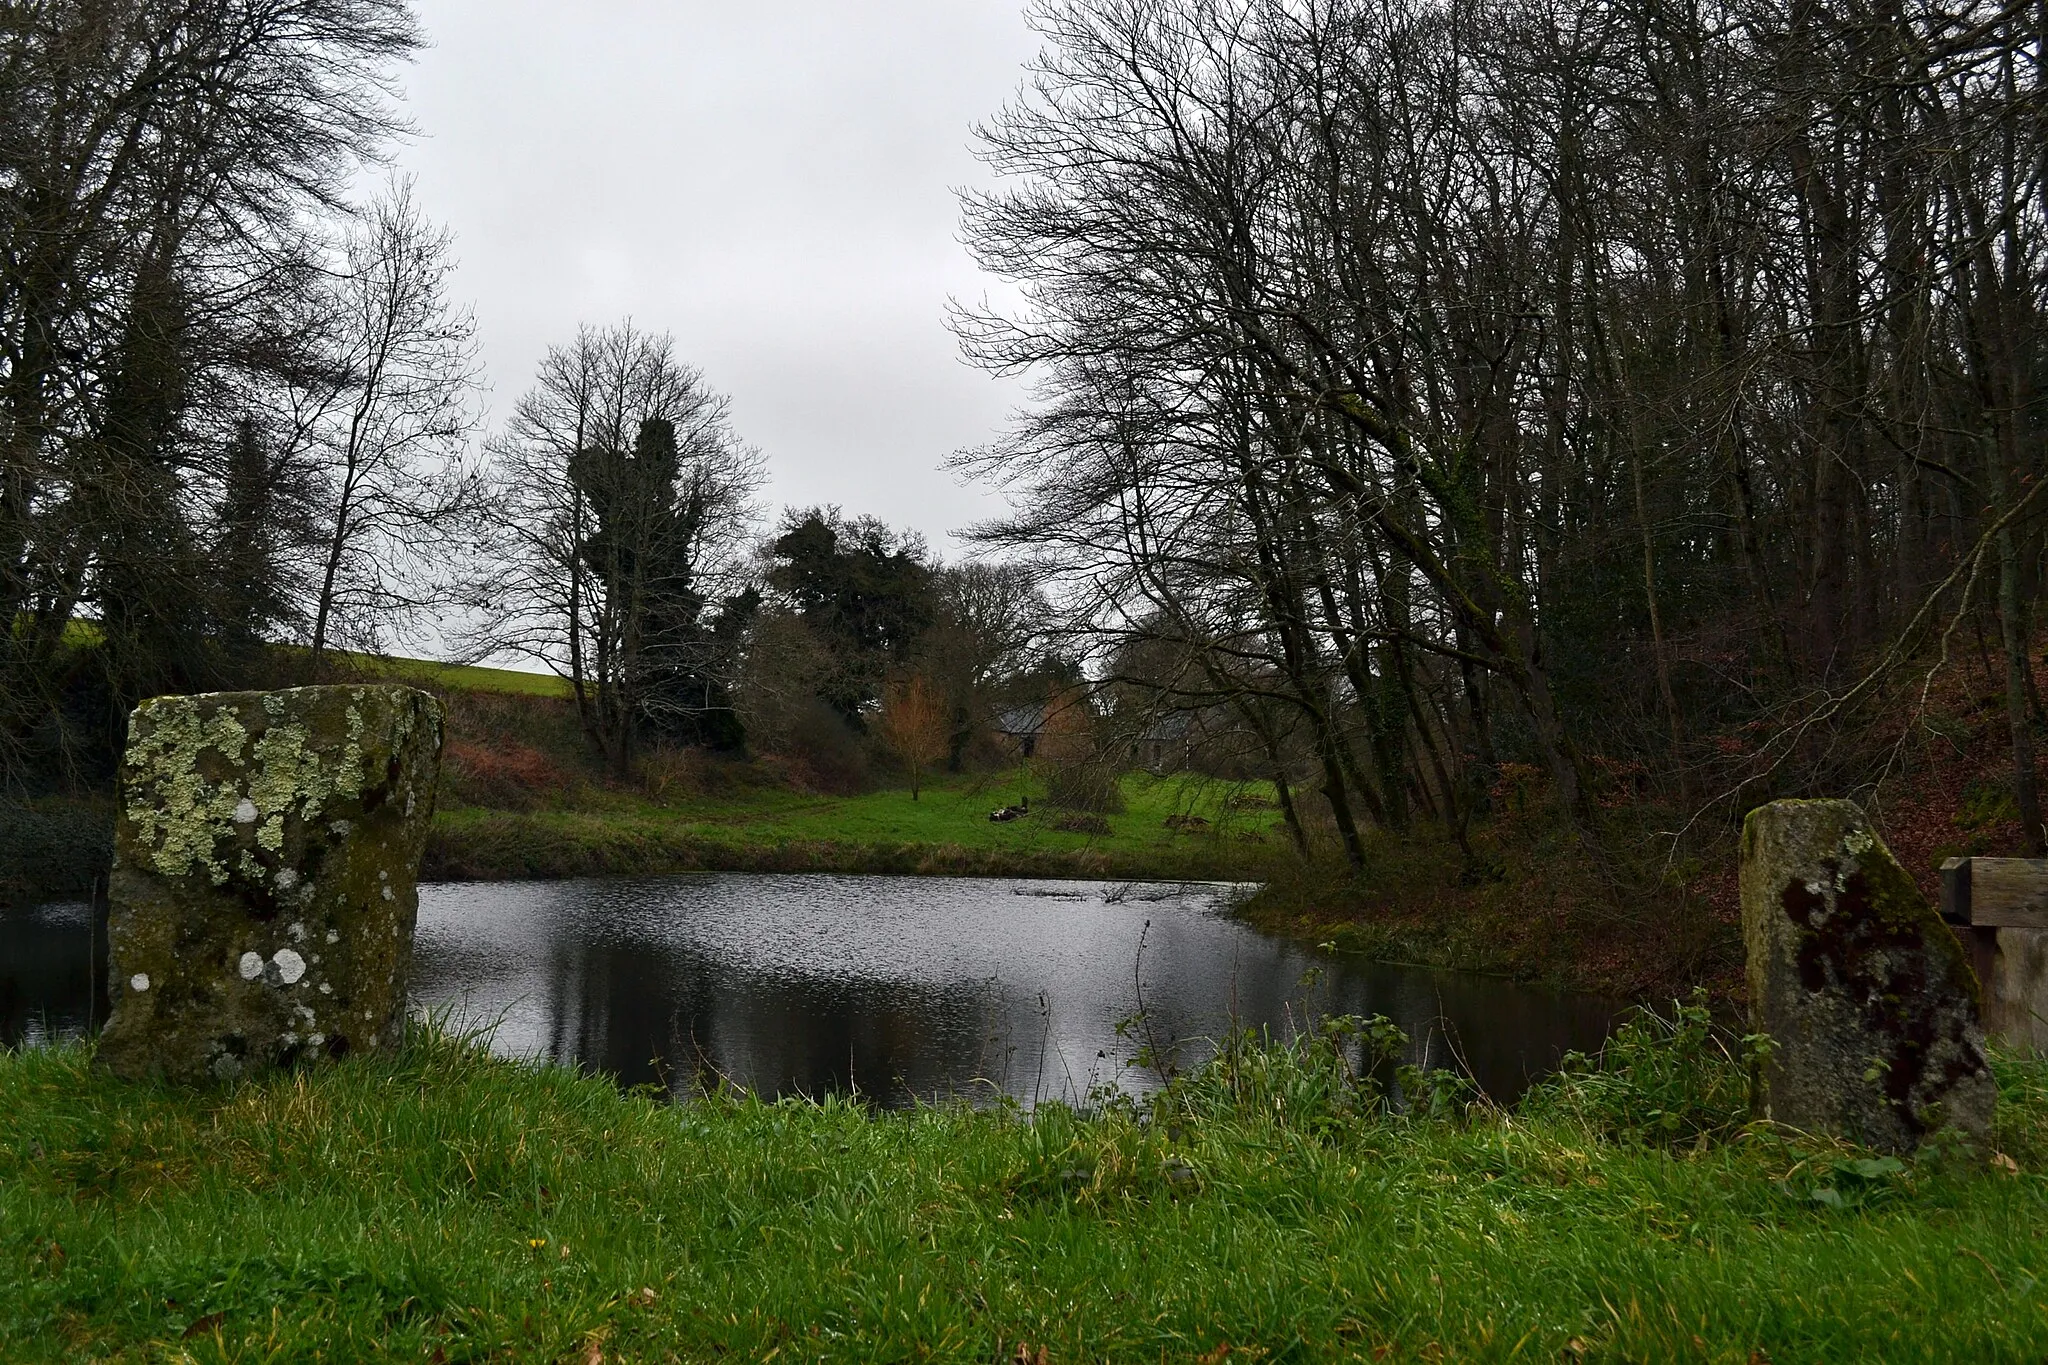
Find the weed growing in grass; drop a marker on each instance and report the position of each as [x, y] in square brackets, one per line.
[1322, 1082]
[1660, 1078]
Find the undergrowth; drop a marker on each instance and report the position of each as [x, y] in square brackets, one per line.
[1530, 898]
[1662, 1077]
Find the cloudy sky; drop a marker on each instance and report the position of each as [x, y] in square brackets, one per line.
[771, 183]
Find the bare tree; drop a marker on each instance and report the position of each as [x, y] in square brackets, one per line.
[621, 505]
[988, 623]
[1490, 381]
[783, 666]
[915, 726]
[162, 165]
[388, 434]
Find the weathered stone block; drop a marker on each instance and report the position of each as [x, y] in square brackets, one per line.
[264, 886]
[1866, 992]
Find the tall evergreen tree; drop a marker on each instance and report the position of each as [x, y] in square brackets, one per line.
[864, 591]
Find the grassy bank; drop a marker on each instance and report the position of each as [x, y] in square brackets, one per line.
[1172, 828]
[444, 677]
[442, 1206]
[1642, 911]
[524, 795]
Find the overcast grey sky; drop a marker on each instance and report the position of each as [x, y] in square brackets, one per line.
[772, 183]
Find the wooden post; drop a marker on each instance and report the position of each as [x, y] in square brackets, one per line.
[1999, 907]
[1955, 890]
[1998, 893]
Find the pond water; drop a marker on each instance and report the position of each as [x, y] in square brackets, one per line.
[898, 988]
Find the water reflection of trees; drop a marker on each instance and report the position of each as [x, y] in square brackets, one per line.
[669, 1015]
[52, 965]
[617, 977]
[677, 984]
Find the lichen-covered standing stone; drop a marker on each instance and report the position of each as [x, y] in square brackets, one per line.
[264, 886]
[1867, 994]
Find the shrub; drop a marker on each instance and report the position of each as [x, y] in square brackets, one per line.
[1085, 786]
[675, 771]
[503, 776]
[824, 755]
[52, 849]
[1658, 1079]
[1081, 822]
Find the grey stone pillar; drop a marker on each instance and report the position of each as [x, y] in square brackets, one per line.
[264, 886]
[1867, 994]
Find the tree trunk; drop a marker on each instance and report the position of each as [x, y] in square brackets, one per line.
[2025, 785]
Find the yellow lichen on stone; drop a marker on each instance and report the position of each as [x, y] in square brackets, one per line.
[288, 778]
[352, 752]
[176, 813]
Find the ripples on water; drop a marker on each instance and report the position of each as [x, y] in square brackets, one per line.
[900, 988]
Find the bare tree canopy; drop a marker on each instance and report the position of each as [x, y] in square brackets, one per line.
[388, 425]
[165, 168]
[1502, 379]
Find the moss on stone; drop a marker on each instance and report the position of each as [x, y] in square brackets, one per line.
[1868, 994]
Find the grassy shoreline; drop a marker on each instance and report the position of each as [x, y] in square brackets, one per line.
[1540, 913]
[1535, 921]
[508, 846]
[440, 1205]
[1171, 831]
[1537, 918]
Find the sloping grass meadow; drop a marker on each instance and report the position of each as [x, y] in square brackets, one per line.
[453, 677]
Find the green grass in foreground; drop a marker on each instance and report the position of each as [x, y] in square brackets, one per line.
[443, 1206]
[946, 829]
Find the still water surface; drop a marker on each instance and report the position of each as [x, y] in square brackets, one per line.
[899, 988]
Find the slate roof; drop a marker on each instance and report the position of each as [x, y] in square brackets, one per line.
[1020, 720]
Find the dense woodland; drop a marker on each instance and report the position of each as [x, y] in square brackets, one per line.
[1645, 396]
[232, 402]
[1632, 389]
